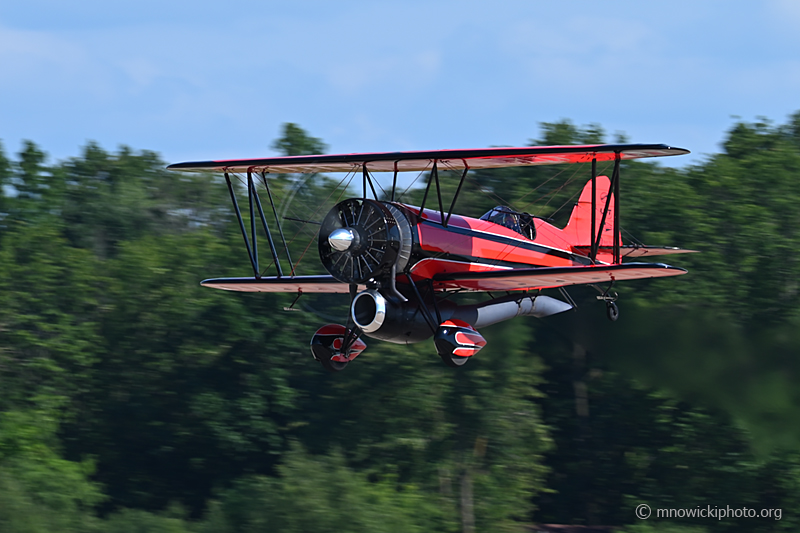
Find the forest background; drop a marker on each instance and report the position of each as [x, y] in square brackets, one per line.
[133, 400]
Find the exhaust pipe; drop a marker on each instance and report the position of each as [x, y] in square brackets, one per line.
[401, 322]
[500, 309]
[368, 310]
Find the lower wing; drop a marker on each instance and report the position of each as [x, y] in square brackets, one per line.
[493, 280]
[301, 284]
[547, 277]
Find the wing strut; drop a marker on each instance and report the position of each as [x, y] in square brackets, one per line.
[434, 178]
[280, 228]
[458, 190]
[254, 203]
[253, 259]
[251, 203]
[254, 195]
[435, 170]
[439, 196]
[593, 248]
[368, 179]
[394, 180]
[613, 192]
[617, 258]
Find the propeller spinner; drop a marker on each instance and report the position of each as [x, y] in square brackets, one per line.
[342, 239]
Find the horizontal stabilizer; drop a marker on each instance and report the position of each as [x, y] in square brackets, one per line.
[633, 250]
[641, 251]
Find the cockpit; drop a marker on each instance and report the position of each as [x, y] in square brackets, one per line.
[503, 215]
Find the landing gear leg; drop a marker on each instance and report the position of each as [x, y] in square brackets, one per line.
[610, 298]
[334, 345]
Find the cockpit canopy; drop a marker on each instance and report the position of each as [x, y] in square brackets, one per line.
[503, 215]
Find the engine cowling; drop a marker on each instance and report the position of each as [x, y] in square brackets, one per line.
[362, 240]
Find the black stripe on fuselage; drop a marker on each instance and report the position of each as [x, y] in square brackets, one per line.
[421, 255]
[508, 241]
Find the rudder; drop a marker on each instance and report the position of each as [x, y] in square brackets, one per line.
[580, 221]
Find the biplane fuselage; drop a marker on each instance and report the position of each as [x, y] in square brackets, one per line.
[472, 245]
[399, 262]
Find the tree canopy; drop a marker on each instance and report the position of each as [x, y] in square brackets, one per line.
[132, 399]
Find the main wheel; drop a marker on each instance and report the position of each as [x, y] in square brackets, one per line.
[326, 347]
[456, 341]
[453, 361]
[324, 355]
[612, 311]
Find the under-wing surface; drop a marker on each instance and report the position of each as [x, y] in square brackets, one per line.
[401, 263]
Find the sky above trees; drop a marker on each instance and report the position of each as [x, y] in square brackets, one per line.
[200, 80]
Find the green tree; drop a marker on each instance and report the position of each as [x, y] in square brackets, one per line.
[110, 349]
[321, 494]
[294, 140]
[39, 490]
[6, 176]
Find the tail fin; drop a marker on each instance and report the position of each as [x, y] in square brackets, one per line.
[578, 229]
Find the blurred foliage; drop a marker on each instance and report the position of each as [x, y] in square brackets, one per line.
[321, 494]
[648, 527]
[133, 400]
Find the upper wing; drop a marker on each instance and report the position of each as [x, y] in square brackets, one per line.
[300, 284]
[447, 159]
[547, 277]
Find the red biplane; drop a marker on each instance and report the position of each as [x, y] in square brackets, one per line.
[400, 262]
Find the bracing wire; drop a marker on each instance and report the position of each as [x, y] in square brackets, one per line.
[421, 172]
[573, 196]
[545, 182]
[320, 207]
[552, 194]
[376, 182]
[303, 226]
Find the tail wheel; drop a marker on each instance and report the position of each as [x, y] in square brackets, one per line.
[612, 311]
[358, 240]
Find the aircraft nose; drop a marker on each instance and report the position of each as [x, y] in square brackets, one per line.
[341, 239]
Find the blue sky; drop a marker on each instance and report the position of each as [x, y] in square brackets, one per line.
[203, 80]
